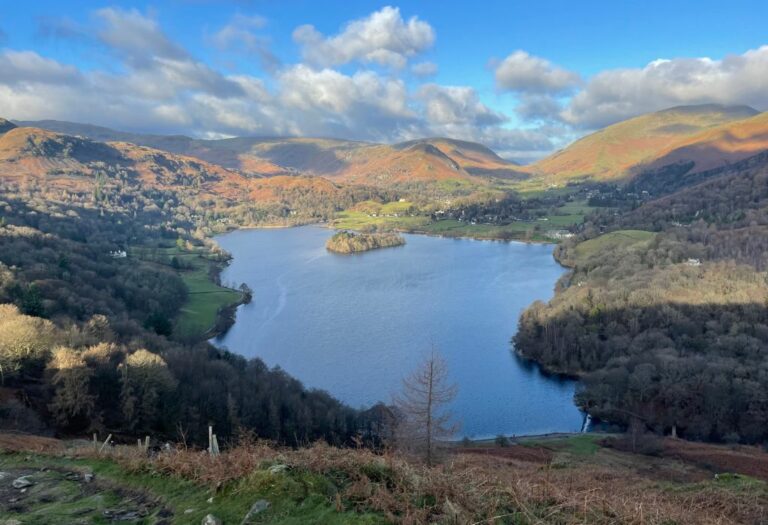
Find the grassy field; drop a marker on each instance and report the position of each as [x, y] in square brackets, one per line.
[401, 216]
[576, 445]
[370, 215]
[569, 214]
[198, 315]
[611, 241]
[454, 228]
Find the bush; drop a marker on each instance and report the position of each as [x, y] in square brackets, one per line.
[502, 441]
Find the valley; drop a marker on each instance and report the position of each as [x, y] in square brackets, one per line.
[181, 201]
[413, 263]
[116, 256]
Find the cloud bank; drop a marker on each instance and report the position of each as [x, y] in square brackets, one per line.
[159, 86]
[372, 80]
[546, 91]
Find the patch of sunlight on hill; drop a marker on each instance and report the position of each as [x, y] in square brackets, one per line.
[613, 241]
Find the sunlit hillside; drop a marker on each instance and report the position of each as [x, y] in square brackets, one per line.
[614, 152]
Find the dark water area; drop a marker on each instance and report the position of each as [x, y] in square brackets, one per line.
[355, 325]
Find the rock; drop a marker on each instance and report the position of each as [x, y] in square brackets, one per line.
[257, 508]
[11, 522]
[123, 514]
[210, 500]
[3, 475]
[276, 469]
[189, 511]
[210, 519]
[22, 482]
[88, 477]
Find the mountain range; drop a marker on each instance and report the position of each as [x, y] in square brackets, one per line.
[699, 137]
[430, 159]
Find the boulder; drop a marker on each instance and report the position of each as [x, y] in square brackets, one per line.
[257, 508]
[210, 519]
[22, 482]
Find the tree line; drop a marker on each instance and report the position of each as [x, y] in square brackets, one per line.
[84, 340]
[670, 332]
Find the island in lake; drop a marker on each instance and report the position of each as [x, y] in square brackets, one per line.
[348, 242]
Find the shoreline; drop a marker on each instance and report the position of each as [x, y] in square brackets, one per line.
[520, 439]
[328, 228]
[329, 225]
[438, 235]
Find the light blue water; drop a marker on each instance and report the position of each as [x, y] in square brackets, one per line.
[355, 325]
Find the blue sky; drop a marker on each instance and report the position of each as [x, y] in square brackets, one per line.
[523, 77]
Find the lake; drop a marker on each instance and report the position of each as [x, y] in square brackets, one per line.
[355, 325]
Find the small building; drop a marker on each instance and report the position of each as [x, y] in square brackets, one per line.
[559, 234]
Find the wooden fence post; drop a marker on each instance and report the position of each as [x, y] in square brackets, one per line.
[106, 441]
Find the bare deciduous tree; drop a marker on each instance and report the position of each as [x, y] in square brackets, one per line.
[423, 407]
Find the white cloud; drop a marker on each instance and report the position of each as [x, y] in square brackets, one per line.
[23, 67]
[456, 105]
[525, 73]
[538, 107]
[240, 36]
[618, 94]
[319, 101]
[457, 112]
[155, 85]
[382, 38]
[136, 36]
[424, 69]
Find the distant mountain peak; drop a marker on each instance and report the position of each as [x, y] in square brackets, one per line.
[616, 151]
[427, 159]
[736, 111]
[6, 125]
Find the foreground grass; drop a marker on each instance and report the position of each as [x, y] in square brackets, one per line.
[294, 497]
[566, 479]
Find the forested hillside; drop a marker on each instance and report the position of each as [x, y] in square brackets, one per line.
[669, 328]
[666, 297]
[86, 335]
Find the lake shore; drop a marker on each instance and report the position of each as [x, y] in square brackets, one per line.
[302, 293]
[414, 231]
[520, 439]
